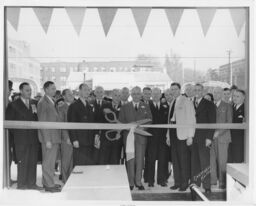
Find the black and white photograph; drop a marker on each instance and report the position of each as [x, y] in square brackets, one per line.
[127, 102]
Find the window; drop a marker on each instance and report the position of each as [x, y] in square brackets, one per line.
[53, 69]
[53, 78]
[63, 69]
[63, 78]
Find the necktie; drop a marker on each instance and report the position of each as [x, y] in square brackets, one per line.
[27, 103]
[172, 109]
[136, 107]
[196, 103]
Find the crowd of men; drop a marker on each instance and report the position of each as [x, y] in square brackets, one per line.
[192, 152]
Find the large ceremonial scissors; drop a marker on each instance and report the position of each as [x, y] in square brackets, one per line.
[139, 131]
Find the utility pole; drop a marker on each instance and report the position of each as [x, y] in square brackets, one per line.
[194, 75]
[230, 68]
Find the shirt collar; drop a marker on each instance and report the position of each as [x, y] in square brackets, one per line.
[218, 103]
[23, 99]
[237, 106]
[83, 100]
[135, 103]
[50, 98]
[199, 100]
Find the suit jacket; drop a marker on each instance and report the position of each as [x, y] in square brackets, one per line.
[237, 135]
[224, 115]
[205, 113]
[63, 114]
[128, 114]
[18, 111]
[184, 113]
[159, 116]
[47, 112]
[77, 112]
[104, 140]
[99, 117]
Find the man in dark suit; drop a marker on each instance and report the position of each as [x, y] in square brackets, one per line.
[49, 138]
[25, 140]
[110, 151]
[99, 104]
[236, 146]
[205, 113]
[132, 112]
[146, 98]
[157, 148]
[66, 147]
[82, 140]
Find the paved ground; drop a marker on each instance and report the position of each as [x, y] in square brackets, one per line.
[157, 193]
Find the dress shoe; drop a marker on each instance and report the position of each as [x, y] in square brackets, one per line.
[35, 187]
[51, 189]
[151, 185]
[174, 187]
[183, 189]
[131, 188]
[222, 187]
[140, 187]
[57, 186]
[163, 184]
[208, 191]
[22, 187]
[13, 182]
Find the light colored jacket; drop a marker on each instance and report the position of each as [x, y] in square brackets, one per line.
[63, 114]
[224, 115]
[47, 112]
[184, 113]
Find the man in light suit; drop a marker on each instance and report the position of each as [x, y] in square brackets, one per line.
[132, 112]
[181, 112]
[221, 139]
[66, 145]
[50, 138]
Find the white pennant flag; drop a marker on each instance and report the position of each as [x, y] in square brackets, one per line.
[76, 16]
[206, 16]
[238, 18]
[107, 16]
[13, 15]
[44, 17]
[174, 16]
[141, 17]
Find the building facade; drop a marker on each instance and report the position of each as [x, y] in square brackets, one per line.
[22, 67]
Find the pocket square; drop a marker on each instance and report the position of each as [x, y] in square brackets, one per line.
[240, 116]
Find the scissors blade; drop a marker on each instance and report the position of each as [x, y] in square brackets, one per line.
[142, 132]
[143, 121]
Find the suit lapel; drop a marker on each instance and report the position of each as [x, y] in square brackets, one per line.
[23, 108]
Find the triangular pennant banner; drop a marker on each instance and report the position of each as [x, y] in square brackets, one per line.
[44, 17]
[238, 18]
[174, 16]
[107, 16]
[141, 17]
[206, 16]
[13, 15]
[76, 16]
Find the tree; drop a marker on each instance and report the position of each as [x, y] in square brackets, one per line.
[174, 67]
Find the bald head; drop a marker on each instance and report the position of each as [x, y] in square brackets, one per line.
[189, 90]
[116, 96]
[217, 93]
[99, 92]
[125, 93]
[136, 94]
[156, 94]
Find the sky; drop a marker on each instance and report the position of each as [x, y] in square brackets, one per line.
[124, 42]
